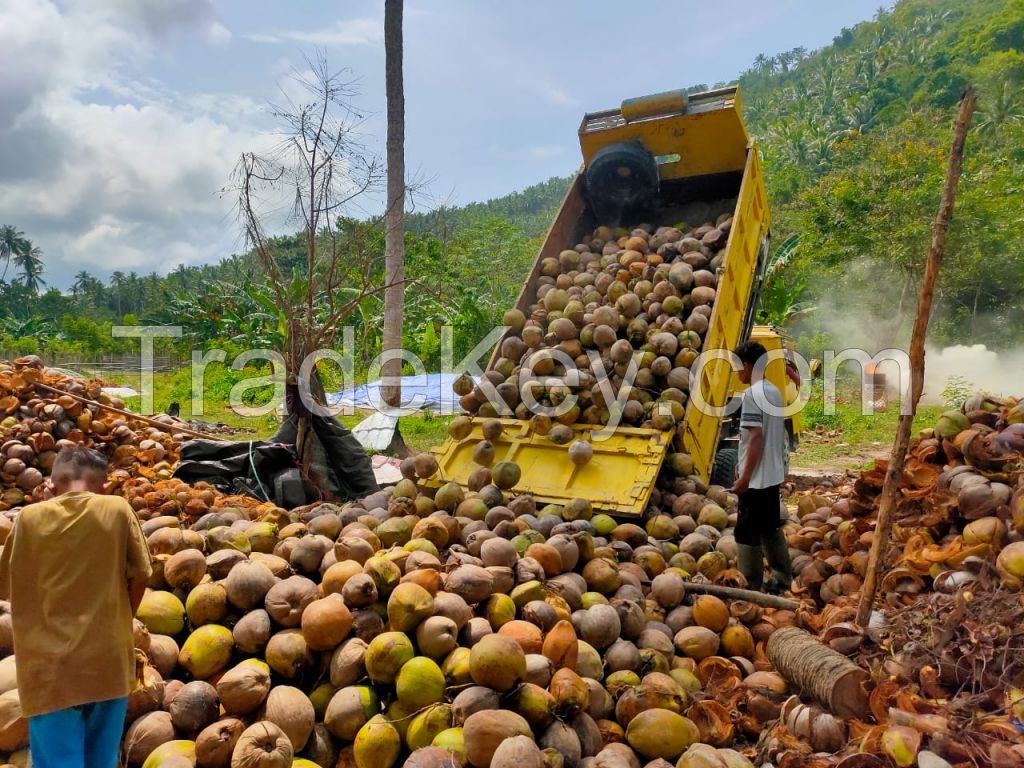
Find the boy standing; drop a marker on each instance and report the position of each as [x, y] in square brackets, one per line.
[75, 570]
[762, 469]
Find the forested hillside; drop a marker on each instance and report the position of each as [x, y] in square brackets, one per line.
[854, 137]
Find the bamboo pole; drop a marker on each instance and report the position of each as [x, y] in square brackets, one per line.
[171, 429]
[893, 473]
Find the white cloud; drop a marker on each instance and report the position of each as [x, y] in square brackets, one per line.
[105, 169]
[360, 31]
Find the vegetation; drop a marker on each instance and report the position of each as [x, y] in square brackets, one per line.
[854, 137]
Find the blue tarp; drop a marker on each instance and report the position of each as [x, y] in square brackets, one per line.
[428, 392]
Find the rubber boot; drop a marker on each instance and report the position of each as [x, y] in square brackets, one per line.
[778, 560]
[750, 561]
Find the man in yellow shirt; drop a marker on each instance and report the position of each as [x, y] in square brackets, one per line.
[75, 569]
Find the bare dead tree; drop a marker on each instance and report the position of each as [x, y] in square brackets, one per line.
[310, 180]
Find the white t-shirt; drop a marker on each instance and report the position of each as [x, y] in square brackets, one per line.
[771, 469]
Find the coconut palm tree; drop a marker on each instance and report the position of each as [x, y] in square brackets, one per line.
[30, 261]
[1005, 106]
[13, 243]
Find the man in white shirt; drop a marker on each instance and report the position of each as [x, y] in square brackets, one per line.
[761, 470]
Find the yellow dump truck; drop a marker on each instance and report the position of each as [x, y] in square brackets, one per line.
[647, 161]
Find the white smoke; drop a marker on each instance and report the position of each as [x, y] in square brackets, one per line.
[983, 369]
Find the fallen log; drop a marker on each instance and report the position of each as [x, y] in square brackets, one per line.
[819, 672]
[749, 595]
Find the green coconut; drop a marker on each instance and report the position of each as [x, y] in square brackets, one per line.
[661, 733]
[497, 662]
[161, 612]
[385, 656]
[453, 740]
[206, 651]
[420, 682]
[424, 727]
[506, 474]
[171, 750]
[950, 424]
[207, 604]
[377, 744]
[408, 605]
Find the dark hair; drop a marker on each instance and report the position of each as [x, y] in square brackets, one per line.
[79, 461]
[750, 352]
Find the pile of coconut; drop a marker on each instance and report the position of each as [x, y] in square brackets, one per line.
[438, 628]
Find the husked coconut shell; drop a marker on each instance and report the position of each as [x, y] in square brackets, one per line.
[290, 710]
[262, 745]
[216, 743]
[146, 734]
[194, 707]
[243, 688]
[287, 599]
[485, 731]
[518, 752]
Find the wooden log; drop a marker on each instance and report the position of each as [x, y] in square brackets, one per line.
[894, 472]
[748, 595]
[819, 672]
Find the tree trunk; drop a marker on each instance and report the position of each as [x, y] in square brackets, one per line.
[394, 246]
[894, 472]
[818, 671]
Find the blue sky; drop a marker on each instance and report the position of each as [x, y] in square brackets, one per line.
[120, 120]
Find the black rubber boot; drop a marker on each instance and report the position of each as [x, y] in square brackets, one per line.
[750, 561]
[778, 560]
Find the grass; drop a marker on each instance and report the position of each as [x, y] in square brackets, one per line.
[848, 438]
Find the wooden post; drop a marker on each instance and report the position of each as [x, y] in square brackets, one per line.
[894, 472]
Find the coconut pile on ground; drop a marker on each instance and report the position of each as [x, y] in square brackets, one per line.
[947, 647]
[433, 627]
[35, 425]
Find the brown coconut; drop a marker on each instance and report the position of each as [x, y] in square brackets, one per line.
[484, 732]
[252, 632]
[326, 622]
[243, 688]
[194, 707]
[262, 745]
[497, 662]
[146, 734]
[287, 599]
[217, 741]
[517, 752]
[248, 583]
[290, 710]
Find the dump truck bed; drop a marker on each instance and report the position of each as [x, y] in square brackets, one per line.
[623, 470]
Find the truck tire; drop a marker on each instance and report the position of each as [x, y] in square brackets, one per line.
[723, 473]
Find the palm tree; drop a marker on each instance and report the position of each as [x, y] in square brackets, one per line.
[13, 243]
[30, 262]
[1004, 107]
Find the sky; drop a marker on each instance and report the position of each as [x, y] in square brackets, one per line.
[121, 120]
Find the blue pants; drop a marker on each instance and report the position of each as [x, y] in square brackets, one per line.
[88, 736]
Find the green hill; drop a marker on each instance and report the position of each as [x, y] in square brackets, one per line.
[854, 137]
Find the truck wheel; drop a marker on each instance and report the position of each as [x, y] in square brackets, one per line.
[724, 471]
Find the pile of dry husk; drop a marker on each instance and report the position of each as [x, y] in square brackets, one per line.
[35, 425]
[946, 648]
